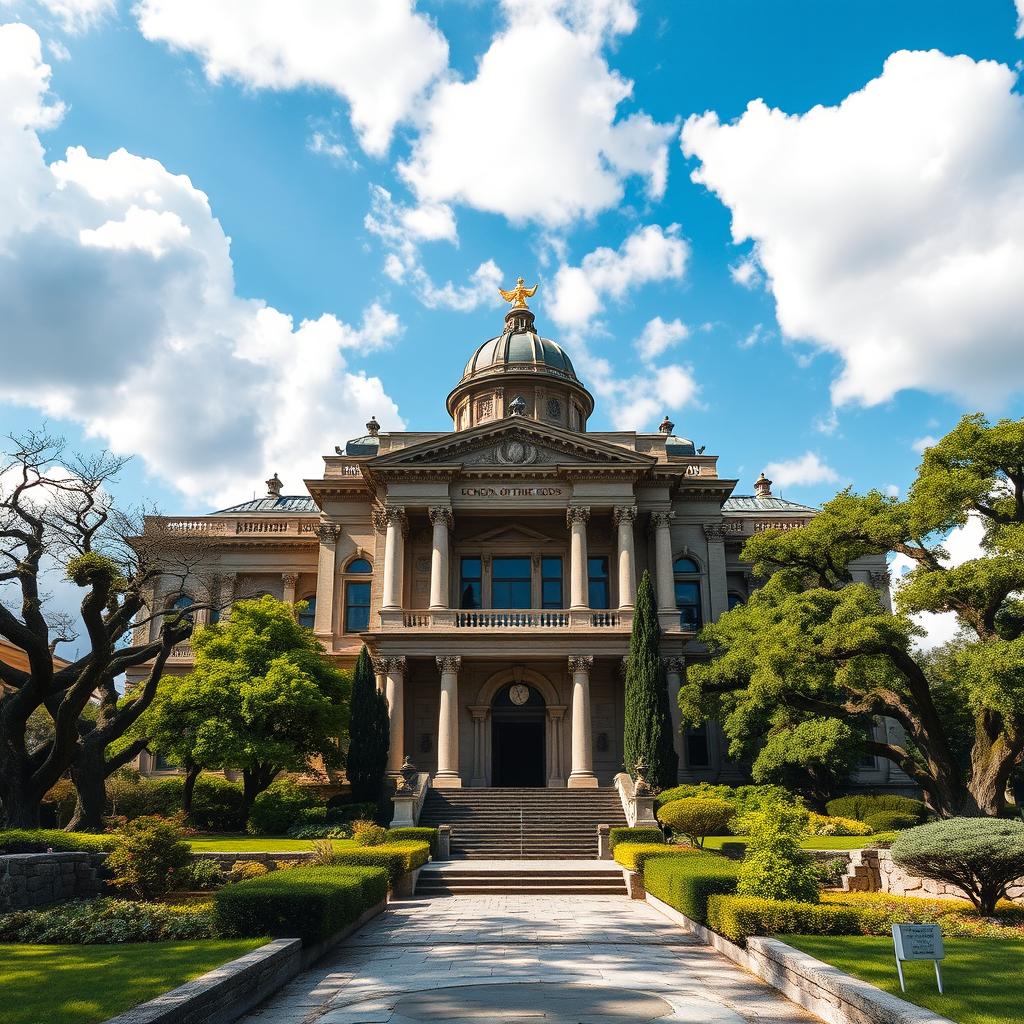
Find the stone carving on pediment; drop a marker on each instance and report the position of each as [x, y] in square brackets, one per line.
[517, 448]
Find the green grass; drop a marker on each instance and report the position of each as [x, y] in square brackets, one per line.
[263, 844]
[87, 984]
[981, 976]
[811, 842]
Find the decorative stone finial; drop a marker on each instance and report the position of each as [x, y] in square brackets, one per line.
[518, 295]
[517, 407]
[641, 787]
[763, 487]
[274, 486]
[667, 426]
[408, 773]
[373, 427]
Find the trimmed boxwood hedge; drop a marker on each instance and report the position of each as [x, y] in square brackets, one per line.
[38, 840]
[301, 903]
[634, 855]
[862, 806]
[423, 835]
[687, 883]
[736, 917]
[395, 858]
[636, 834]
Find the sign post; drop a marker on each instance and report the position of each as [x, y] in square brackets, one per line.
[918, 942]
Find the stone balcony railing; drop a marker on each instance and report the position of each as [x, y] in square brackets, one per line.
[181, 652]
[483, 619]
[229, 527]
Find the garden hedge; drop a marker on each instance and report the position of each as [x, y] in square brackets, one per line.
[890, 821]
[395, 858]
[687, 883]
[38, 840]
[862, 807]
[430, 836]
[636, 834]
[634, 855]
[736, 917]
[301, 903]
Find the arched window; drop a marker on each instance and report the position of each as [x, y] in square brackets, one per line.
[308, 615]
[357, 596]
[687, 585]
[735, 600]
[181, 602]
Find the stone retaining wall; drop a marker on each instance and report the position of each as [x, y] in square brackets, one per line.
[35, 879]
[875, 871]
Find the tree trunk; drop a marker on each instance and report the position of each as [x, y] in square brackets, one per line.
[255, 781]
[191, 775]
[21, 805]
[89, 776]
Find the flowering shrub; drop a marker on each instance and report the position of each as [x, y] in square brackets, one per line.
[148, 858]
[89, 922]
[829, 825]
[320, 832]
[242, 870]
[200, 874]
[366, 833]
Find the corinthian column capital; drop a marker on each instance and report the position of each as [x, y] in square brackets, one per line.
[715, 531]
[441, 513]
[576, 514]
[389, 515]
[327, 533]
[580, 663]
[625, 513]
[661, 520]
[449, 663]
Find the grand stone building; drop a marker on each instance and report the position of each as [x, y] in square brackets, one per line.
[491, 570]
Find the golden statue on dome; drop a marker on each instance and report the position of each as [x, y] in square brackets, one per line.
[518, 295]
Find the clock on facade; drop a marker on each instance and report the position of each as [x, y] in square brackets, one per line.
[518, 693]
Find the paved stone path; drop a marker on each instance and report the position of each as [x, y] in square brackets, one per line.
[549, 959]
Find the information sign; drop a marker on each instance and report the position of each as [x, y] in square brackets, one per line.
[918, 942]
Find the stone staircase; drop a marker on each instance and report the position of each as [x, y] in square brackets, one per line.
[523, 824]
[603, 878]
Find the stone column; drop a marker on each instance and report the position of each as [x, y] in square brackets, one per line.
[326, 574]
[582, 774]
[441, 517]
[674, 668]
[718, 580]
[447, 775]
[555, 713]
[624, 518]
[661, 523]
[289, 581]
[390, 521]
[479, 713]
[576, 519]
[393, 670]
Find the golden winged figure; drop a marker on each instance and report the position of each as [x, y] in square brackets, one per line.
[518, 295]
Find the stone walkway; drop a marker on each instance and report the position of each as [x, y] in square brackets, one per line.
[550, 959]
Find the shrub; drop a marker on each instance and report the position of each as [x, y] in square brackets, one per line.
[217, 804]
[826, 825]
[202, 873]
[430, 836]
[339, 810]
[396, 858]
[366, 833]
[980, 856]
[890, 821]
[633, 855]
[879, 911]
[279, 807]
[148, 857]
[88, 922]
[696, 817]
[637, 834]
[774, 866]
[243, 870]
[320, 832]
[61, 800]
[687, 883]
[306, 903]
[39, 840]
[323, 853]
[744, 798]
[830, 872]
[736, 917]
[316, 815]
[861, 806]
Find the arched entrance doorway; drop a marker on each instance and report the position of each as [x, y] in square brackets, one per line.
[517, 736]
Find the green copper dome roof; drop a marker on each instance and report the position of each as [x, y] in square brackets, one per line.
[519, 347]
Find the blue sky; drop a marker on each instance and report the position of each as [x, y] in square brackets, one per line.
[378, 180]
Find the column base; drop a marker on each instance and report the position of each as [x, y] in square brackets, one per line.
[452, 781]
[582, 780]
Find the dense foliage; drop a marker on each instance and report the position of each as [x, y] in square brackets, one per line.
[149, 857]
[280, 806]
[862, 807]
[736, 917]
[774, 866]
[636, 834]
[687, 883]
[743, 798]
[421, 835]
[396, 858]
[370, 734]
[39, 840]
[633, 856]
[833, 825]
[696, 817]
[648, 722]
[980, 857]
[811, 645]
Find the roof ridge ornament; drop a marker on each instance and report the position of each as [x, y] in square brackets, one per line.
[518, 295]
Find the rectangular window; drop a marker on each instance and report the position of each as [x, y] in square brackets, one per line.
[697, 752]
[597, 582]
[688, 603]
[357, 606]
[551, 583]
[470, 583]
[510, 582]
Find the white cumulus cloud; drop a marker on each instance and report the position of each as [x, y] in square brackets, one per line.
[804, 471]
[380, 57]
[119, 311]
[74, 16]
[921, 443]
[658, 336]
[890, 227]
[1020, 19]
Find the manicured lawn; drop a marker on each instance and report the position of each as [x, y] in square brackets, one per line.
[982, 977]
[87, 984]
[263, 844]
[812, 842]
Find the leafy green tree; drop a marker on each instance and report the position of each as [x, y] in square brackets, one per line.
[821, 647]
[774, 866]
[648, 724]
[262, 698]
[370, 734]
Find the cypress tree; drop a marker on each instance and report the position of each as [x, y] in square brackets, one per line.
[369, 734]
[648, 724]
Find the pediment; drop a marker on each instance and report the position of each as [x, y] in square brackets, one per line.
[513, 443]
[516, 534]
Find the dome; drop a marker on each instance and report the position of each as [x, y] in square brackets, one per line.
[519, 349]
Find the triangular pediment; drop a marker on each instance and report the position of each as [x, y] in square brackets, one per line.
[513, 442]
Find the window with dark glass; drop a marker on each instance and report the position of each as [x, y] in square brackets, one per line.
[551, 595]
[510, 582]
[735, 600]
[470, 583]
[698, 754]
[597, 582]
[357, 606]
[308, 615]
[359, 566]
[687, 587]
[182, 602]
